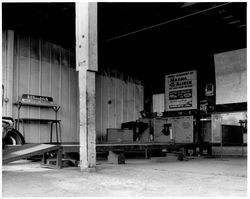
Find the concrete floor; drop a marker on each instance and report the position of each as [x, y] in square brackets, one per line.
[155, 177]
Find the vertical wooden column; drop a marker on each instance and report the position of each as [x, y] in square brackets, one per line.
[8, 84]
[86, 59]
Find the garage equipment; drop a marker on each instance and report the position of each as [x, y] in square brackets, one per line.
[28, 150]
[10, 136]
[42, 102]
[120, 148]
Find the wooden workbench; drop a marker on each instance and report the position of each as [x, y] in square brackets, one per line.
[106, 147]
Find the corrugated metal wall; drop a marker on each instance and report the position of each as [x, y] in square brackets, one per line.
[4, 63]
[118, 99]
[43, 68]
[7, 72]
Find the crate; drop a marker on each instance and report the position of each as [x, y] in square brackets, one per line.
[119, 135]
[162, 130]
[183, 129]
[177, 129]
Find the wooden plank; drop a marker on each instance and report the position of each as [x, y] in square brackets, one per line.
[91, 118]
[55, 54]
[131, 146]
[28, 152]
[34, 89]
[86, 23]
[45, 51]
[98, 108]
[137, 101]
[105, 105]
[45, 88]
[4, 54]
[55, 79]
[82, 35]
[16, 75]
[55, 83]
[86, 35]
[92, 42]
[24, 45]
[141, 96]
[77, 104]
[119, 99]
[74, 108]
[83, 119]
[65, 57]
[4, 68]
[112, 100]
[125, 100]
[9, 72]
[131, 101]
[64, 97]
[32, 104]
[14, 148]
[34, 48]
[23, 88]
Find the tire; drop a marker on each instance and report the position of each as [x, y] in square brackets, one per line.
[13, 137]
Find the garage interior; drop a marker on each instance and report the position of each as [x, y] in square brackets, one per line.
[117, 87]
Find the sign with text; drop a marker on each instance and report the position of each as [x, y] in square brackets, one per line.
[181, 91]
[36, 99]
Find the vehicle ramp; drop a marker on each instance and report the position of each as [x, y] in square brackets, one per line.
[28, 150]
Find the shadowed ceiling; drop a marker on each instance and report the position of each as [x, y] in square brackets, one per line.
[146, 40]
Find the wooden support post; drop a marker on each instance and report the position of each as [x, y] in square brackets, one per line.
[59, 159]
[86, 59]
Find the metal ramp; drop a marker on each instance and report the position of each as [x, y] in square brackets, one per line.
[27, 150]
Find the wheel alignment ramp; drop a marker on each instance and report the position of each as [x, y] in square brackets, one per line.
[27, 150]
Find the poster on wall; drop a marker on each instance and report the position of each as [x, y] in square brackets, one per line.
[181, 91]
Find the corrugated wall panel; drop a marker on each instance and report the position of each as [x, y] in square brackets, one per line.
[125, 101]
[73, 135]
[98, 104]
[43, 68]
[131, 100]
[105, 108]
[112, 100]
[4, 54]
[118, 100]
[45, 88]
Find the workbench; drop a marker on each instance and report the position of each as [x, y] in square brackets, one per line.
[146, 147]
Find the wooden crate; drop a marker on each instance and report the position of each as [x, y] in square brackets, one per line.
[119, 135]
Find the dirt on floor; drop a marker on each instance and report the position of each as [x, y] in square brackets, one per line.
[157, 177]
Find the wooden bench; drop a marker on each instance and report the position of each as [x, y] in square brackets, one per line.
[42, 102]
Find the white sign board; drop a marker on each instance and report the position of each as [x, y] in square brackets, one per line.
[231, 76]
[158, 103]
[181, 91]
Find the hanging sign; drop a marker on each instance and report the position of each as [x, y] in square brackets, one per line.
[181, 91]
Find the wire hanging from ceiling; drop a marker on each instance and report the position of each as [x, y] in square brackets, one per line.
[165, 22]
